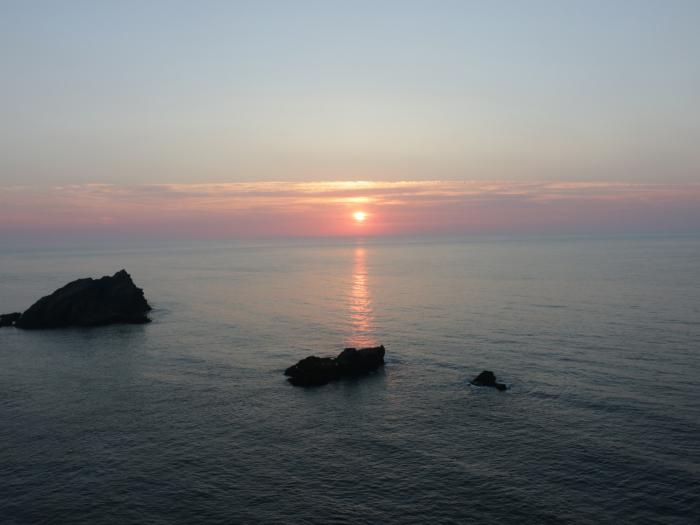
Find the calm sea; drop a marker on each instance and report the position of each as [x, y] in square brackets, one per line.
[190, 420]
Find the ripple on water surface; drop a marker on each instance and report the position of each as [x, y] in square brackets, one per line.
[189, 419]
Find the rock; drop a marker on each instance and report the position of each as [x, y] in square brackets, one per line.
[356, 362]
[9, 319]
[89, 302]
[487, 378]
[316, 371]
[313, 371]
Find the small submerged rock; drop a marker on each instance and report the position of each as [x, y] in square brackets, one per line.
[86, 302]
[488, 378]
[316, 371]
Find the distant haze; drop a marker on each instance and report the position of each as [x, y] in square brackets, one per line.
[264, 209]
[242, 118]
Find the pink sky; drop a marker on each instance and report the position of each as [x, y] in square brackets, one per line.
[261, 209]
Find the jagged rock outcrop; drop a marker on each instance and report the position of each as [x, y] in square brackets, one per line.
[316, 371]
[88, 302]
[488, 378]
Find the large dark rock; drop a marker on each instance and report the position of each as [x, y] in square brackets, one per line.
[89, 302]
[488, 378]
[316, 371]
[9, 319]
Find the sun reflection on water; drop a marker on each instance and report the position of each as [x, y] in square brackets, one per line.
[361, 316]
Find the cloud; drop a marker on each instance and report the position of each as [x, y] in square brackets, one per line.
[324, 208]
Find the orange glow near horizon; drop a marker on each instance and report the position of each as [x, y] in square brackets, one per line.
[340, 208]
[359, 216]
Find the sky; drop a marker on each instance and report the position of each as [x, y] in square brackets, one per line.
[228, 119]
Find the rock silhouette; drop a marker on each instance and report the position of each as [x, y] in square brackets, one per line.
[88, 302]
[316, 371]
[9, 319]
[488, 378]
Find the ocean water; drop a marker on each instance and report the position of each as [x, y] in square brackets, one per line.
[189, 419]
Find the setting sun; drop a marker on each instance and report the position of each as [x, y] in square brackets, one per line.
[359, 216]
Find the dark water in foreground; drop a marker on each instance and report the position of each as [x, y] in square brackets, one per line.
[189, 419]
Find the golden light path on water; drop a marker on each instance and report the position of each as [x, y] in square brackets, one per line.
[361, 316]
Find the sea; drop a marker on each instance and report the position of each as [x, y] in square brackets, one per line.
[189, 419]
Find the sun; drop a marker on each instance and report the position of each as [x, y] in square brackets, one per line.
[359, 216]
